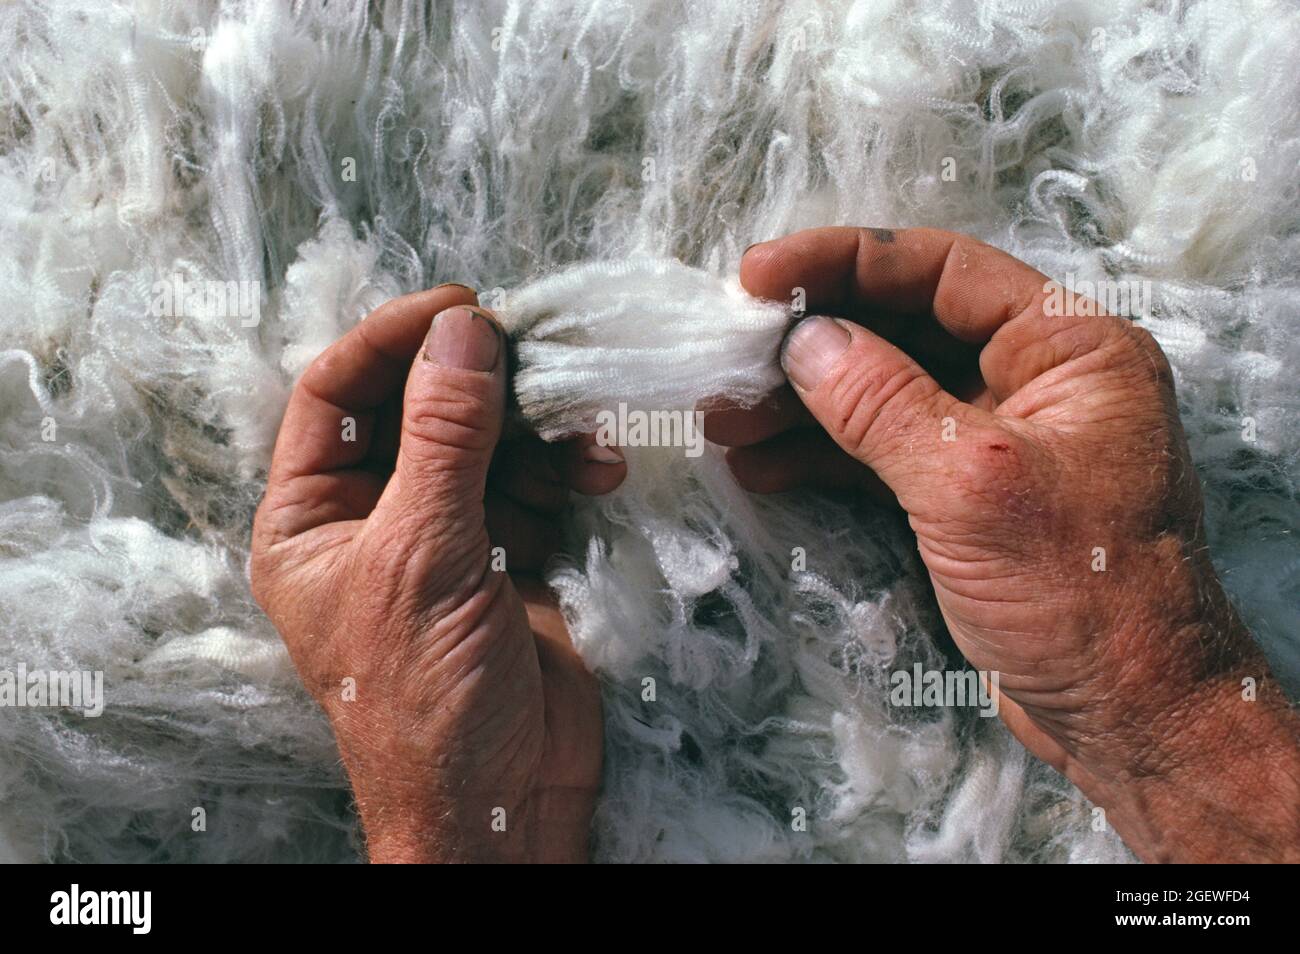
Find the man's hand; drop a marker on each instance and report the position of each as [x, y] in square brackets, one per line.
[1043, 468]
[467, 724]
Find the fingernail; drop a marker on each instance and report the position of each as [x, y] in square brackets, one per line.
[461, 338]
[454, 285]
[748, 247]
[600, 454]
[811, 349]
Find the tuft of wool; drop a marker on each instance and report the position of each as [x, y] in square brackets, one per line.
[670, 336]
[596, 168]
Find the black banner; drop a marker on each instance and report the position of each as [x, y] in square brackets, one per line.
[319, 904]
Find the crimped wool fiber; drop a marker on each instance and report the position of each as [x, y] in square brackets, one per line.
[595, 168]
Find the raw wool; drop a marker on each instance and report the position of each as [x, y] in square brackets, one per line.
[746, 643]
[339, 154]
[655, 330]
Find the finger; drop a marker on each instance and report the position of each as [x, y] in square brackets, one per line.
[352, 378]
[591, 468]
[1034, 343]
[915, 287]
[875, 402]
[971, 289]
[540, 474]
[335, 418]
[803, 458]
[733, 426]
[452, 414]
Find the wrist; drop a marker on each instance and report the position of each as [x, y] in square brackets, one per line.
[550, 827]
[1208, 762]
[1227, 788]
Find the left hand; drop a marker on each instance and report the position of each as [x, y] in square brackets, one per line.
[469, 728]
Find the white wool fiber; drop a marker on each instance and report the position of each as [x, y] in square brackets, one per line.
[596, 168]
[592, 336]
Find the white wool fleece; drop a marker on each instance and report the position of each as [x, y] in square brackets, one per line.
[595, 168]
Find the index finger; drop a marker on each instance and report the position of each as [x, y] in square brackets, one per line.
[971, 289]
[353, 377]
[318, 470]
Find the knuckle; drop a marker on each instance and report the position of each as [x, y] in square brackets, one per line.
[877, 407]
[447, 423]
[385, 311]
[956, 262]
[267, 524]
[323, 368]
[994, 481]
[991, 464]
[262, 565]
[1008, 288]
[1142, 356]
[1151, 348]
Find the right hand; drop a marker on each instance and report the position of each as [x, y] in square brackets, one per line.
[1025, 450]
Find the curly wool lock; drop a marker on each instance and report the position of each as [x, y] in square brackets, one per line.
[338, 155]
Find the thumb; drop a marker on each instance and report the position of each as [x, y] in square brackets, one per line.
[876, 402]
[452, 414]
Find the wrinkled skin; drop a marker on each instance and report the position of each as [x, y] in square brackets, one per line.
[459, 705]
[1021, 446]
[1042, 466]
